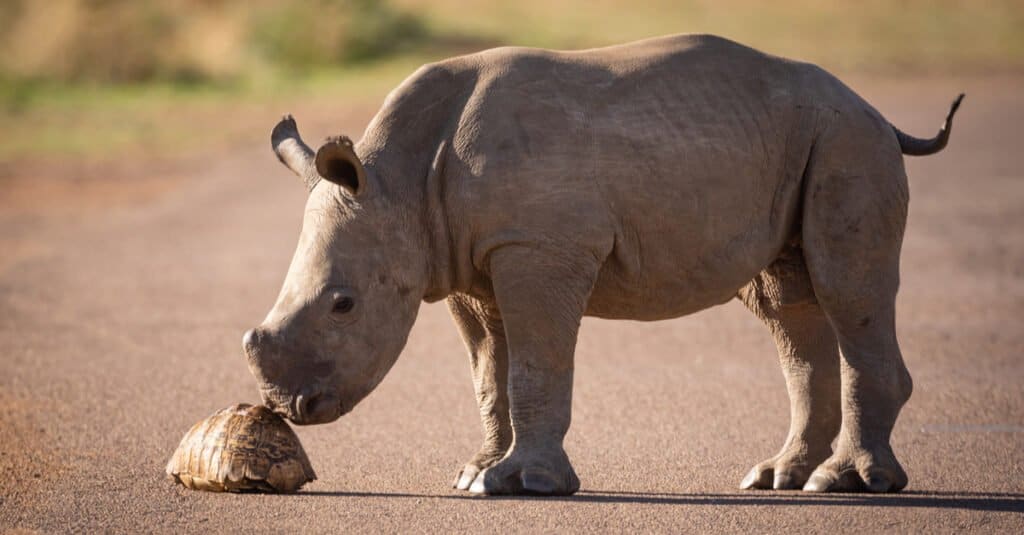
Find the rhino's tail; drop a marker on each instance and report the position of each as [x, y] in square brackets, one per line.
[915, 146]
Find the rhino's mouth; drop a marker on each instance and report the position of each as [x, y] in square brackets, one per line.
[275, 398]
[308, 407]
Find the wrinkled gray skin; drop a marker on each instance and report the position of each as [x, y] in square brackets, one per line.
[645, 181]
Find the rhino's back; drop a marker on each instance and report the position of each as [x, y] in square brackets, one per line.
[676, 159]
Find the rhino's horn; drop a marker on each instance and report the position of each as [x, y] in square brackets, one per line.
[293, 152]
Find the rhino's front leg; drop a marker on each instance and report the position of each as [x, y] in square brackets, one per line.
[542, 298]
[484, 335]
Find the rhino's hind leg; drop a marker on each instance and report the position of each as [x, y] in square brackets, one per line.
[782, 296]
[542, 298]
[484, 335]
[854, 217]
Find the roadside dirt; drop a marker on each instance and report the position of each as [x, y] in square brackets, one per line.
[124, 291]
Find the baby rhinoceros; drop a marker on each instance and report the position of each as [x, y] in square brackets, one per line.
[647, 181]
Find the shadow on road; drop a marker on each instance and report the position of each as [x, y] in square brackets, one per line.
[972, 501]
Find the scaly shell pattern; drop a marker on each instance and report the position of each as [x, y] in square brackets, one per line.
[238, 449]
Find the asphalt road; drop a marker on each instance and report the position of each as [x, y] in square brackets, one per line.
[123, 299]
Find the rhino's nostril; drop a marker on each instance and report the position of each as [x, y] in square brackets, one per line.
[312, 406]
[304, 404]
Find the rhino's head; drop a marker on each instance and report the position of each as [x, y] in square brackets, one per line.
[351, 293]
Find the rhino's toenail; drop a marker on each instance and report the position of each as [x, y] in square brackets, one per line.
[818, 483]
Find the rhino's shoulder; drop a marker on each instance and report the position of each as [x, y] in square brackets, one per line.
[431, 82]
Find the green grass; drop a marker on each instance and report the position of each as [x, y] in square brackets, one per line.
[162, 118]
[283, 63]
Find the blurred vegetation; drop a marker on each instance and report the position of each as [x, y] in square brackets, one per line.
[73, 68]
[191, 41]
[875, 36]
[334, 32]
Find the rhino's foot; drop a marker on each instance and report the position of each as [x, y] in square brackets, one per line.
[534, 472]
[480, 462]
[858, 469]
[788, 470]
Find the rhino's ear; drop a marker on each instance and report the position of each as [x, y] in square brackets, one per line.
[336, 161]
[292, 152]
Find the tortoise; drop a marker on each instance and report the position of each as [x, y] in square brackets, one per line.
[241, 448]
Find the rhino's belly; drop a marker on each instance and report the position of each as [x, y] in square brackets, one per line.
[696, 223]
[690, 249]
[671, 286]
[669, 301]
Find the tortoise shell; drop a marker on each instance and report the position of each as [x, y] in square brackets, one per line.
[241, 448]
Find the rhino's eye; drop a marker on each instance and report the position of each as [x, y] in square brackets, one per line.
[343, 305]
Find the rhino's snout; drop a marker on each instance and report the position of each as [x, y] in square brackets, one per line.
[249, 342]
[262, 363]
[304, 404]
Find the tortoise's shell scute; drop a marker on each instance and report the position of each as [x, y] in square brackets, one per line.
[241, 448]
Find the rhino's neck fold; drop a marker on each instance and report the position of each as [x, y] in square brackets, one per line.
[444, 275]
[420, 218]
[408, 142]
